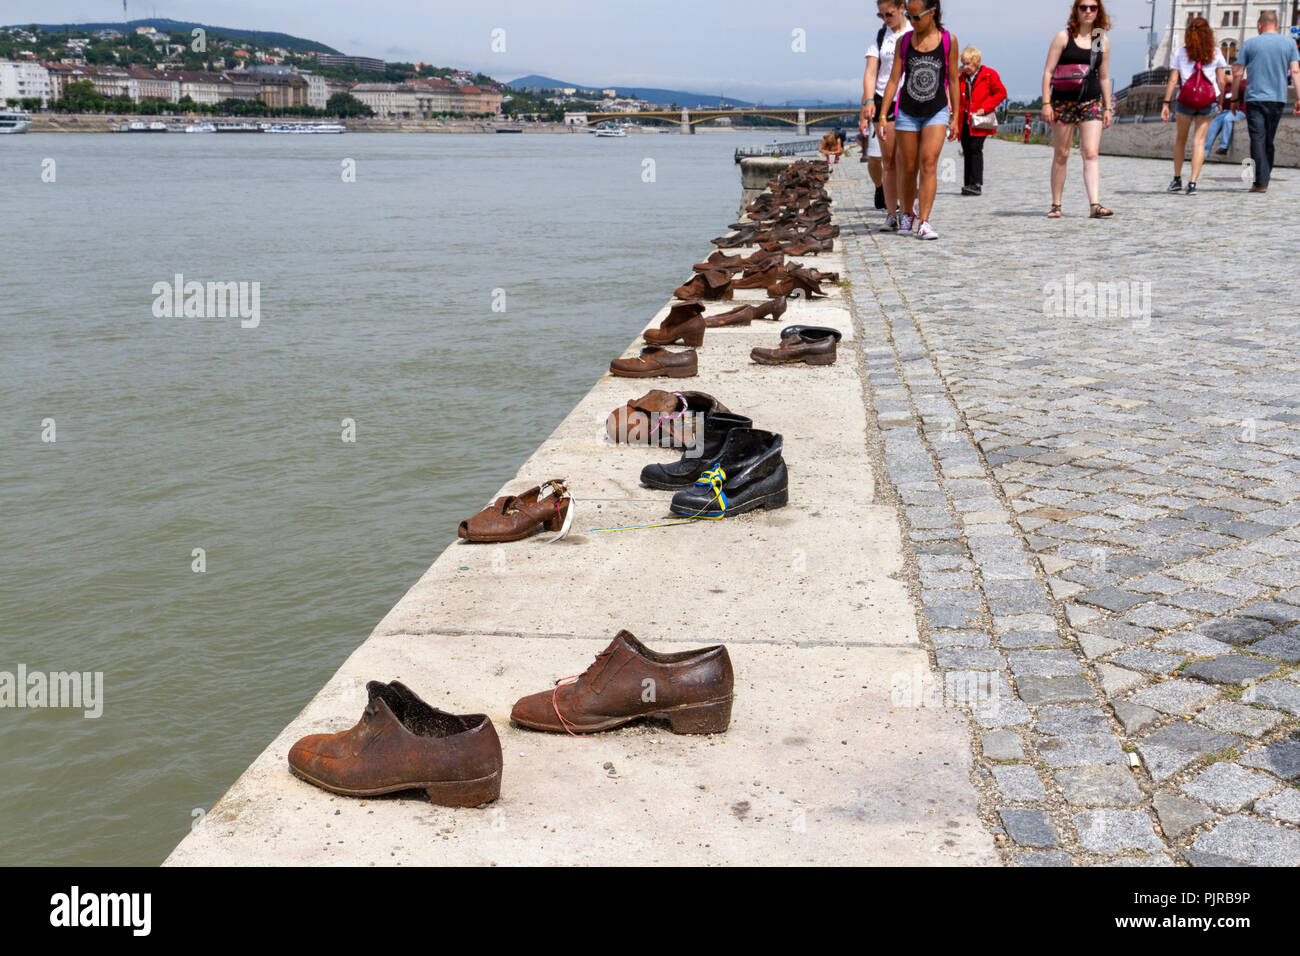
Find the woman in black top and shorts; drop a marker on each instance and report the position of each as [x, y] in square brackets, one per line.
[926, 77]
[1082, 44]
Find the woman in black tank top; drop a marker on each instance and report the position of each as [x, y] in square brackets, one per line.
[1083, 43]
[926, 80]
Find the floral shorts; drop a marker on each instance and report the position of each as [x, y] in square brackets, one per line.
[1074, 112]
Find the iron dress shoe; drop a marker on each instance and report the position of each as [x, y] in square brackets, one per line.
[810, 346]
[692, 690]
[657, 362]
[401, 743]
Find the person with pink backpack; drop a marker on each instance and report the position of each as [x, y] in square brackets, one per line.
[1203, 72]
[925, 84]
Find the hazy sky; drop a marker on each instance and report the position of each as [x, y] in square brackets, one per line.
[740, 48]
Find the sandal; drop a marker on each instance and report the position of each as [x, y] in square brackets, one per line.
[1100, 212]
[1055, 211]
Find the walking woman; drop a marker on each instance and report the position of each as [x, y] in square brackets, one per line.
[1077, 93]
[1203, 72]
[880, 66]
[982, 93]
[926, 80]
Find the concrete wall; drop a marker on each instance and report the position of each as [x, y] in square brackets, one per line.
[1155, 140]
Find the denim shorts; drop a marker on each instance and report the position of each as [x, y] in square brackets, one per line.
[1181, 110]
[905, 123]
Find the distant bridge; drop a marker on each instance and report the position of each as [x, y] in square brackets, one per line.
[689, 119]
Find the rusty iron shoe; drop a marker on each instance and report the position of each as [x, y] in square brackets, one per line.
[707, 285]
[665, 419]
[657, 362]
[685, 324]
[743, 315]
[401, 743]
[813, 346]
[515, 517]
[692, 690]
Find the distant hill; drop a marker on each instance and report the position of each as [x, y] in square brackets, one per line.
[255, 37]
[680, 97]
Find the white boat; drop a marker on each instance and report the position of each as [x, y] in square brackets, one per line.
[201, 128]
[14, 122]
[613, 131]
[305, 128]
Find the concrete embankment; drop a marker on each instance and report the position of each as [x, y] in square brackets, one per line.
[823, 763]
[104, 123]
[1155, 140]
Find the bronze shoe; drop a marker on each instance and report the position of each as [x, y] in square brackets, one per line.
[657, 362]
[707, 285]
[665, 419]
[514, 517]
[795, 282]
[692, 690]
[719, 260]
[745, 314]
[685, 324]
[810, 346]
[401, 743]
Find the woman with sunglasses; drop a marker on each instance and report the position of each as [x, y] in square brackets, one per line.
[925, 81]
[1077, 93]
[880, 65]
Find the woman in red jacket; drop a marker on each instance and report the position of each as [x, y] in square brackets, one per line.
[981, 93]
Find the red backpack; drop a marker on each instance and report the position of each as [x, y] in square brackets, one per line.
[1198, 92]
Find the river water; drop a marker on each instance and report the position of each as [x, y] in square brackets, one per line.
[179, 510]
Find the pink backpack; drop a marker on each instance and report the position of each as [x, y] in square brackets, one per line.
[904, 44]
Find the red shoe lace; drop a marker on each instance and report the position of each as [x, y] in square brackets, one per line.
[555, 704]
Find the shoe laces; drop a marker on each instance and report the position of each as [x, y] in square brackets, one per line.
[564, 681]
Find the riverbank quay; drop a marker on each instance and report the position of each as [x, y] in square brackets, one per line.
[1095, 457]
[838, 751]
[1155, 140]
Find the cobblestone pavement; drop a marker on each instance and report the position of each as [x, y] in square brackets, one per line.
[1091, 429]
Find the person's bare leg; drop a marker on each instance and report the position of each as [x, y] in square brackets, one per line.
[1198, 144]
[907, 157]
[890, 167]
[932, 140]
[1090, 147]
[1180, 146]
[1062, 140]
[875, 169]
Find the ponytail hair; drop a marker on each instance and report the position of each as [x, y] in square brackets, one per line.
[937, 6]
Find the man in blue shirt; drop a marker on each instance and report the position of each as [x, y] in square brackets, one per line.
[1267, 59]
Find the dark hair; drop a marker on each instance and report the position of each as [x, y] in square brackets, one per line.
[1199, 41]
[1101, 23]
[936, 6]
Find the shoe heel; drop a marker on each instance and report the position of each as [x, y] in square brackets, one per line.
[678, 371]
[700, 719]
[466, 793]
[555, 522]
[821, 359]
[693, 341]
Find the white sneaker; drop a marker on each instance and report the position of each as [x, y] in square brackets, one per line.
[891, 224]
[924, 231]
[905, 222]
